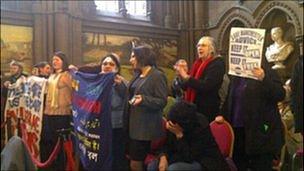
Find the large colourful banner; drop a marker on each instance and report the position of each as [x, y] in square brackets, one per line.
[25, 105]
[91, 106]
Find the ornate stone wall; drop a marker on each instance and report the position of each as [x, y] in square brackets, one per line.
[59, 24]
[254, 14]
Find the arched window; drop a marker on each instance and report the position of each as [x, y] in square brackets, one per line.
[133, 8]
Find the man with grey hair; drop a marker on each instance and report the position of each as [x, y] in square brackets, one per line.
[205, 78]
[16, 71]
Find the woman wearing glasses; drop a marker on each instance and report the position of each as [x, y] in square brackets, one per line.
[205, 79]
[110, 63]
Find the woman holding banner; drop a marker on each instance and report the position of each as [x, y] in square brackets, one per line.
[57, 112]
[148, 93]
[110, 63]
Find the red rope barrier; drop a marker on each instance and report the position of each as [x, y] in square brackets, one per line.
[3, 124]
[52, 156]
[68, 148]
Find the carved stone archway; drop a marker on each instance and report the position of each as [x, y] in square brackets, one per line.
[227, 25]
[235, 17]
[225, 39]
[236, 13]
[266, 7]
[280, 14]
[278, 18]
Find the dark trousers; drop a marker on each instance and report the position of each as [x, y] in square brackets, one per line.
[49, 138]
[244, 161]
[120, 162]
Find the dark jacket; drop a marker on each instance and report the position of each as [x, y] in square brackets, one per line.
[207, 87]
[262, 123]
[118, 101]
[296, 85]
[197, 144]
[12, 79]
[145, 120]
[176, 88]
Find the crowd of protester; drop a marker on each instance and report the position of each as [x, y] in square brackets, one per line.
[251, 107]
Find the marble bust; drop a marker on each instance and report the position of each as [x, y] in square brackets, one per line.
[279, 51]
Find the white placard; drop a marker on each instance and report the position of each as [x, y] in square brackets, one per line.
[245, 51]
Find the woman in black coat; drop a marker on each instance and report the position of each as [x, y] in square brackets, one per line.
[251, 108]
[205, 79]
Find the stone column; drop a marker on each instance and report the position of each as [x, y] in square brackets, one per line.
[62, 27]
[50, 28]
[181, 23]
[168, 17]
[198, 14]
[205, 14]
[199, 20]
[183, 45]
[185, 38]
[75, 36]
[149, 10]
[40, 32]
[57, 25]
[192, 41]
[122, 8]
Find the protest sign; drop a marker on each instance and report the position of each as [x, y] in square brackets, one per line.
[25, 105]
[245, 51]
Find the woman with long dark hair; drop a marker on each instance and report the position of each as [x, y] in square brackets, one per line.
[148, 93]
[57, 111]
